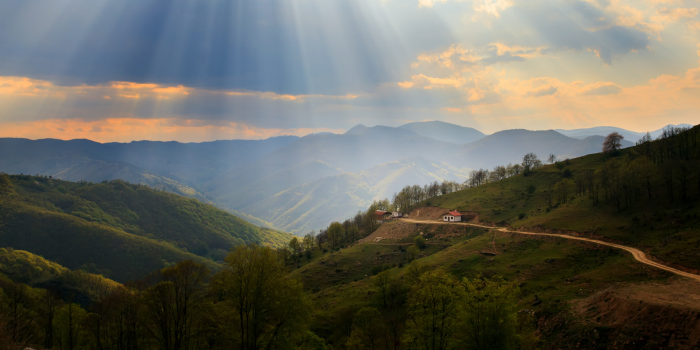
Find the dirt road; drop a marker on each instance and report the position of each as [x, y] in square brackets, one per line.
[638, 254]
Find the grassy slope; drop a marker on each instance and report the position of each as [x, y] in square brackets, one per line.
[74, 242]
[123, 231]
[145, 212]
[666, 230]
[556, 270]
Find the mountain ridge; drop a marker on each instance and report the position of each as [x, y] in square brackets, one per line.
[444, 131]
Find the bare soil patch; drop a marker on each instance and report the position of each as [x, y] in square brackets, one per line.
[427, 213]
[650, 315]
[397, 230]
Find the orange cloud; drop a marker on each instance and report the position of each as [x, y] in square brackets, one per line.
[22, 86]
[130, 129]
[493, 101]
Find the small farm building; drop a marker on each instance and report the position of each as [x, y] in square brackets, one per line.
[382, 216]
[452, 216]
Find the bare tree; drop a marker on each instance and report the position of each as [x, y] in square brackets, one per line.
[612, 143]
[646, 138]
[552, 158]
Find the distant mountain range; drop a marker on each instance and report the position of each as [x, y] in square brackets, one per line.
[605, 130]
[444, 131]
[297, 184]
[509, 146]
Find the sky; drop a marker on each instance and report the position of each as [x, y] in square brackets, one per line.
[200, 70]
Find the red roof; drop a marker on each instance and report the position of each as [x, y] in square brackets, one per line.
[455, 213]
[379, 214]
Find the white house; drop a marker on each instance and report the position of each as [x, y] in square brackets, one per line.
[396, 214]
[452, 216]
[381, 216]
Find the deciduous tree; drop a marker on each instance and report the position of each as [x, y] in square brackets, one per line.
[488, 314]
[265, 308]
[433, 321]
[612, 143]
[175, 304]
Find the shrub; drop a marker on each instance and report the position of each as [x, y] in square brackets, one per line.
[419, 241]
[521, 216]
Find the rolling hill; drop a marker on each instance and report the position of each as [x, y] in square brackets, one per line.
[315, 157]
[262, 181]
[24, 267]
[572, 294]
[125, 230]
[644, 197]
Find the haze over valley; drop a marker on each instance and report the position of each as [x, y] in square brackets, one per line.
[298, 184]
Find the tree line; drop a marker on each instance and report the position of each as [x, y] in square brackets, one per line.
[252, 303]
[666, 168]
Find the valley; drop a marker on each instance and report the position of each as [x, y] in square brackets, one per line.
[578, 253]
[286, 183]
[349, 175]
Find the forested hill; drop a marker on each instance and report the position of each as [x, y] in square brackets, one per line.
[23, 267]
[125, 230]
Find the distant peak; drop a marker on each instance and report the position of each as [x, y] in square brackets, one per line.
[356, 129]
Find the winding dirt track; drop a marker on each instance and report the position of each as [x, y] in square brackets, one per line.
[636, 253]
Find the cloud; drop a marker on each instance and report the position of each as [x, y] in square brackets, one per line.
[551, 90]
[575, 25]
[131, 129]
[331, 64]
[287, 47]
[671, 15]
[491, 7]
[506, 57]
[25, 99]
[600, 89]
[429, 3]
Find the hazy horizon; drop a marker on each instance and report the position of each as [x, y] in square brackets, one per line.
[339, 132]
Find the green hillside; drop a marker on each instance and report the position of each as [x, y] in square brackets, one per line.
[24, 267]
[645, 196]
[571, 294]
[117, 229]
[559, 272]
